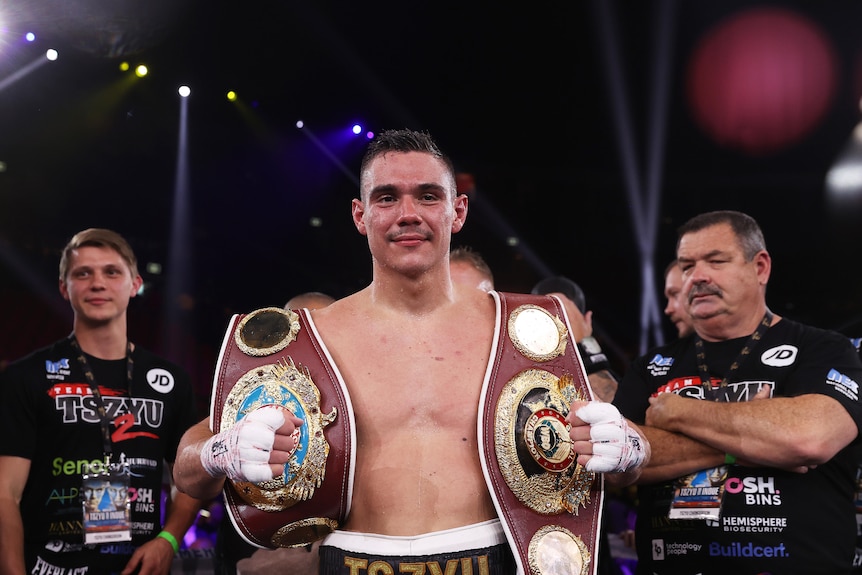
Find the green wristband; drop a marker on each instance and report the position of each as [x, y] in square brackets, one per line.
[170, 539]
[729, 459]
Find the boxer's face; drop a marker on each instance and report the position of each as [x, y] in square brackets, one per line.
[408, 211]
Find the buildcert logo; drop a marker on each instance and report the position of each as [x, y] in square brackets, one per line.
[746, 550]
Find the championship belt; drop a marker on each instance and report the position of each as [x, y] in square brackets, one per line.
[549, 505]
[274, 356]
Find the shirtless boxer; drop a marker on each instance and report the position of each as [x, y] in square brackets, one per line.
[413, 349]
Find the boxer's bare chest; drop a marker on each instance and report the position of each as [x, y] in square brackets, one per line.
[418, 368]
[415, 385]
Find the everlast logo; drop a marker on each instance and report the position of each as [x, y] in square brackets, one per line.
[42, 567]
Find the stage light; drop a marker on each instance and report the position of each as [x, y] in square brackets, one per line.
[370, 135]
[184, 91]
[744, 79]
[300, 124]
[844, 180]
[141, 71]
[50, 55]
[30, 37]
[315, 222]
[2, 166]
[231, 95]
[357, 129]
[124, 66]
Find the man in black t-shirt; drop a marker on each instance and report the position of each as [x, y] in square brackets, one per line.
[752, 421]
[85, 427]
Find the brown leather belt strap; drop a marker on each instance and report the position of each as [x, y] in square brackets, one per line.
[262, 513]
[550, 506]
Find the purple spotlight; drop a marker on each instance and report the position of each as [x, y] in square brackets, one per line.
[370, 135]
[30, 37]
[357, 129]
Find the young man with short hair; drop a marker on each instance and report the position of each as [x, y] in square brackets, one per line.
[85, 427]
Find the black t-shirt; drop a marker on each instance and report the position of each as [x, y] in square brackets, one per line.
[772, 521]
[48, 415]
[857, 560]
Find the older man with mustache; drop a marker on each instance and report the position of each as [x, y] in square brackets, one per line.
[751, 422]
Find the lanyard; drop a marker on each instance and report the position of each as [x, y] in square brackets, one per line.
[97, 395]
[705, 381]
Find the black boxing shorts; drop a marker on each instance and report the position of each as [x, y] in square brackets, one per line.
[479, 549]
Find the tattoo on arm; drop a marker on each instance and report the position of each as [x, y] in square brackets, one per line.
[604, 385]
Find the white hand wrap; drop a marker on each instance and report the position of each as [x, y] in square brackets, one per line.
[616, 446]
[242, 452]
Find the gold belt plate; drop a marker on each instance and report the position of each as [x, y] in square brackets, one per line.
[290, 386]
[533, 446]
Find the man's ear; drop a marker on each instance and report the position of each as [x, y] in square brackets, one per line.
[64, 291]
[137, 282]
[357, 209]
[460, 213]
[763, 263]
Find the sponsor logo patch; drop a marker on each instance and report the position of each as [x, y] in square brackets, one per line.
[659, 365]
[747, 550]
[161, 380]
[661, 551]
[57, 370]
[843, 384]
[780, 356]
